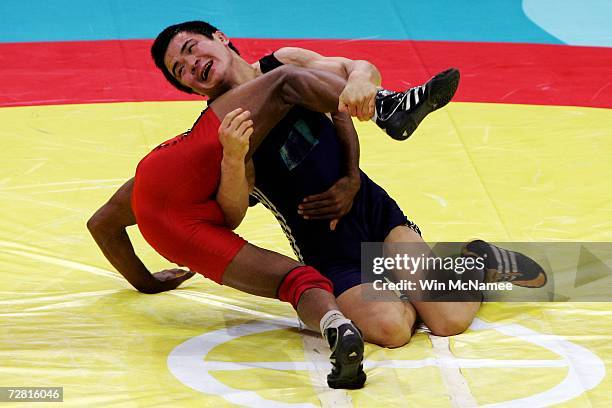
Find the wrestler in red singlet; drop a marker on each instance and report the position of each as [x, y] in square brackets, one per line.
[174, 200]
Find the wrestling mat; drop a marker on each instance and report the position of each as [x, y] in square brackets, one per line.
[521, 154]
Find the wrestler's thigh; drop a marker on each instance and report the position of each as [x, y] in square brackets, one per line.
[258, 271]
[260, 96]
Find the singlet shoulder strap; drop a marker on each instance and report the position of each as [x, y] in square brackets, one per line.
[268, 63]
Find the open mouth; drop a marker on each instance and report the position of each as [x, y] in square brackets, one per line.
[206, 70]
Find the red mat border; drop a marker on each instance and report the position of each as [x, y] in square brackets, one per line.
[122, 71]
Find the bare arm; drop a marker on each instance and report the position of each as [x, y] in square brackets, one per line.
[341, 66]
[363, 78]
[337, 201]
[108, 228]
[347, 135]
[357, 99]
[237, 179]
[234, 187]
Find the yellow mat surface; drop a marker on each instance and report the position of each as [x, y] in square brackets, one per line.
[499, 172]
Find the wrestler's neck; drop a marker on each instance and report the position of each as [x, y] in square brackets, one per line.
[239, 73]
[242, 71]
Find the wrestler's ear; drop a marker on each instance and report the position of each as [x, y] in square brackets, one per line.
[219, 35]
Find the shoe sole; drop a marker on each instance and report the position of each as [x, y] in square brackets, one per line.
[443, 88]
[351, 375]
[440, 92]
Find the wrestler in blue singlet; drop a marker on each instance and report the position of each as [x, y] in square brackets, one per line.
[302, 156]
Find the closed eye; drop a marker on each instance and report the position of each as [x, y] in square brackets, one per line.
[190, 48]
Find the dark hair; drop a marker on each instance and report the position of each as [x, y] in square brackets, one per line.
[160, 45]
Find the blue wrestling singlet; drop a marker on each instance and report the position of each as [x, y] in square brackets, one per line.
[302, 156]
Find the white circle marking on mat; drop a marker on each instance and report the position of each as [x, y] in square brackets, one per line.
[187, 363]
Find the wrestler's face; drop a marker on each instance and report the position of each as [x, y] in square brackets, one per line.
[200, 63]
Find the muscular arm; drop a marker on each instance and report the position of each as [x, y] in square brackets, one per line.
[337, 201]
[351, 70]
[237, 179]
[360, 72]
[347, 135]
[108, 228]
[357, 98]
[363, 78]
[237, 171]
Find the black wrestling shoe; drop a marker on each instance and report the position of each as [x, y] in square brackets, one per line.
[346, 343]
[400, 113]
[503, 265]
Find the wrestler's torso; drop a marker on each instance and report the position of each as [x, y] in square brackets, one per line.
[180, 177]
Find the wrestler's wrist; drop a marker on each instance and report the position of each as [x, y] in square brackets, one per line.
[232, 160]
[354, 181]
[353, 175]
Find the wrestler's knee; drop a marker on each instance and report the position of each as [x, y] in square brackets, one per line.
[387, 329]
[449, 325]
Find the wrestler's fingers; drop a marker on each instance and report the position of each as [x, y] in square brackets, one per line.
[162, 276]
[358, 109]
[372, 106]
[230, 117]
[363, 114]
[247, 133]
[333, 223]
[176, 273]
[312, 205]
[175, 283]
[171, 274]
[180, 277]
[238, 120]
[322, 214]
[357, 104]
[243, 127]
[324, 208]
[317, 197]
[185, 276]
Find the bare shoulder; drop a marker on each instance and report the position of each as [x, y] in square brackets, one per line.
[296, 56]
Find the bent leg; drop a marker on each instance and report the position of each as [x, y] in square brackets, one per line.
[270, 96]
[261, 272]
[442, 318]
[387, 322]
